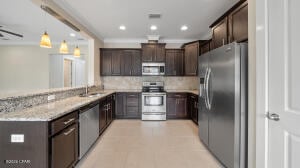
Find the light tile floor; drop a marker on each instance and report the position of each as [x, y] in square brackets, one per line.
[149, 144]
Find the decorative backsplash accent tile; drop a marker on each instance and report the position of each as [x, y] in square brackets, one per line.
[171, 83]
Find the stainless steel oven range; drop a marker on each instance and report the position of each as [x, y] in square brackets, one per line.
[153, 101]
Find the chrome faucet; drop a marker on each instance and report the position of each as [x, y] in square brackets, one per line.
[86, 89]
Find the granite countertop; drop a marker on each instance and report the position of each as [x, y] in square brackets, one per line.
[51, 111]
[196, 92]
[56, 109]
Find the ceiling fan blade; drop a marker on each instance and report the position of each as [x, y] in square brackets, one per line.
[15, 34]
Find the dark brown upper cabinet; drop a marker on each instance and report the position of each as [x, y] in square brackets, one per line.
[153, 52]
[105, 62]
[191, 54]
[238, 23]
[120, 62]
[205, 47]
[220, 34]
[110, 62]
[174, 62]
[232, 26]
[131, 63]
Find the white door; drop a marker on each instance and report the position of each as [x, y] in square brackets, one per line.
[284, 83]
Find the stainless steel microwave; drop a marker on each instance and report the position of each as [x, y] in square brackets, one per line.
[153, 69]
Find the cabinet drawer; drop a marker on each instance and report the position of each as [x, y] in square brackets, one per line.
[132, 99]
[63, 122]
[179, 95]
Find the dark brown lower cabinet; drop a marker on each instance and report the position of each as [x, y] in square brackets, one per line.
[102, 115]
[177, 106]
[64, 141]
[193, 107]
[106, 111]
[128, 105]
[64, 147]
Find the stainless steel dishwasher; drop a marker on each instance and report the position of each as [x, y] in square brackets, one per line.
[88, 127]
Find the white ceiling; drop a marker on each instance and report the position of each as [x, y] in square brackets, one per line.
[24, 17]
[103, 17]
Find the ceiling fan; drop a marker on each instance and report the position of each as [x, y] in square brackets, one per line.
[9, 32]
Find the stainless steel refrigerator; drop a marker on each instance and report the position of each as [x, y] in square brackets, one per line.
[223, 103]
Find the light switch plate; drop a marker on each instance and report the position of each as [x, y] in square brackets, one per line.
[51, 97]
[17, 138]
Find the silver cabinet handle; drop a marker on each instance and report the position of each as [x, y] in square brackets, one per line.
[70, 120]
[69, 132]
[273, 116]
[223, 41]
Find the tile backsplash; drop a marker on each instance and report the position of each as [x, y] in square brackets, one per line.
[189, 83]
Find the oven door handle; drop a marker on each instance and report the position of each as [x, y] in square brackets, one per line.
[154, 94]
[154, 113]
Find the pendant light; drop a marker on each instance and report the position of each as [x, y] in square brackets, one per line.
[76, 52]
[45, 39]
[63, 47]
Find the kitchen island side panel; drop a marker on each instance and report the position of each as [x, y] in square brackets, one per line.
[30, 146]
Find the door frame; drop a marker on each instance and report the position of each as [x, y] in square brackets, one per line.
[262, 57]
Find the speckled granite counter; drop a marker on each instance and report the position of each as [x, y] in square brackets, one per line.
[53, 110]
[196, 92]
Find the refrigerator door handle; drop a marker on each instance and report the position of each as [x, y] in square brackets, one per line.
[207, 89]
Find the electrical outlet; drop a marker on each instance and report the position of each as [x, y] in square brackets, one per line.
[51, 97]
[17, 138]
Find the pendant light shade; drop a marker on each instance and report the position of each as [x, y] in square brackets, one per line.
[76, 52]
[63, 48]
[45, 41]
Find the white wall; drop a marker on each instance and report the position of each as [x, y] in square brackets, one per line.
[23, 68]
[252, 84]
[26, 67]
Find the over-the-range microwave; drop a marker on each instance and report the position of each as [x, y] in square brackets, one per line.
[153, 69]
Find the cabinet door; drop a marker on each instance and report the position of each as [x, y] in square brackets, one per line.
[181, 108]
[105, 64]
[109, 109]
[160, 54]
[220, 34]
[191, 59]
[205, 48]
[116, 63]
[148, 52]
[102, 115]
[119, 112]
[170, 63]
[132, 105]
[136, 63]
[171, 107]
[64, 148]
[238, 24]
[127, 63]
[179, 63]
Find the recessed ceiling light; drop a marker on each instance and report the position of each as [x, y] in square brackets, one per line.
[72, 34]
[184, 28]
[122, 27]
[153, 27]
